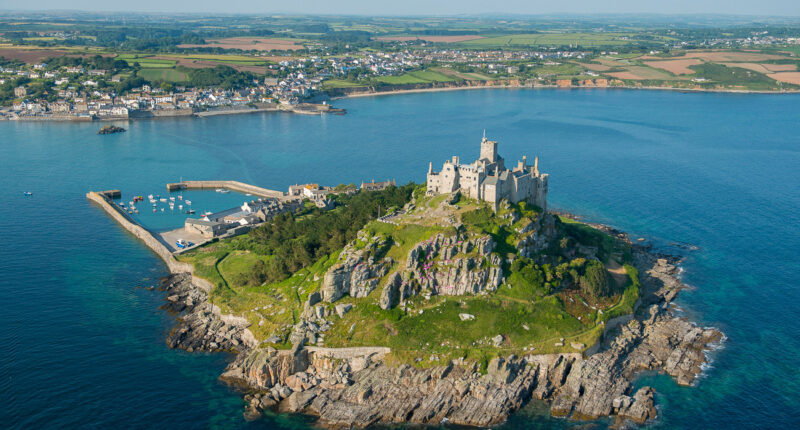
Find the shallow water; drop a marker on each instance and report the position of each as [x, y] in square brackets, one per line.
[83, 344]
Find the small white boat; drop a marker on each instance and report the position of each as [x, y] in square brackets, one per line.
[219, 190]
[189, 202]
[180, 197]
[180, 206]
[163, 200]
[225, 191]
[172, 199]
[150, 196]
[162, 209]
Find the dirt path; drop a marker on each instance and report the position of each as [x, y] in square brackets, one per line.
[617, 272]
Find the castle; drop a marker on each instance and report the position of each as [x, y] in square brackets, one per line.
[488, 179]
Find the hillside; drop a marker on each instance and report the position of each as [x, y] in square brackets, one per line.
[439, 278]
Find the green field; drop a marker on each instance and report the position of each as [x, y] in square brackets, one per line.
[417, 77]
[339, 83]
[163, 74]
[587, 40]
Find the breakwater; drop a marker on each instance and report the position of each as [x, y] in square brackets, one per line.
[231, 185]
[149, 239]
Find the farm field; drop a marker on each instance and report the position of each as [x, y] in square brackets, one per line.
[558, 39]
[788, 77]
[468, 76]
[676, 67]
[643, 73]
[442, 39]
[764, 67]
[418, 77]
[249, 43]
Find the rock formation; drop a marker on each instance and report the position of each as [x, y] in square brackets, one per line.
[357, 389]
[445, 265]
[358, 272]
[200, 325]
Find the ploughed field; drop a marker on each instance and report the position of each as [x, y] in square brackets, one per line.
[437, 279]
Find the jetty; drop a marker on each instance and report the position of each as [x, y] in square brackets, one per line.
[230, 185]
[162, 242]
[153, 240]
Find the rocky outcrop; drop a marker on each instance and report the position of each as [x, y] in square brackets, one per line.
[354, 388]
[200, 325]
[359, 269]
[446, 265]
[536, 235]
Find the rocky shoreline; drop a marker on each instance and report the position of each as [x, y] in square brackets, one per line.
[353, 387]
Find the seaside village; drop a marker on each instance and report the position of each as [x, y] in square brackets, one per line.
[77, 93]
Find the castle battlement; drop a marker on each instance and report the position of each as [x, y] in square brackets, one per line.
[487, 178]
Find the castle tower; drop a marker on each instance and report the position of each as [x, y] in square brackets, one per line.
[488, 150]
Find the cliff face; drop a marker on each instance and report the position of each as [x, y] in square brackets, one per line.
[358, 272]
[445, 265]
[354, 387]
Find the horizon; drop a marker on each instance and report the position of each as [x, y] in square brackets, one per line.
[415, 8]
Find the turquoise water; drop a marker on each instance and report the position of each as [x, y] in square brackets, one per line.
[83, 343]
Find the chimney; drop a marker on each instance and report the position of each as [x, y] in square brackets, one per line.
[430, 167]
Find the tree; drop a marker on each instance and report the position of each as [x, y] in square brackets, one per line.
[594, 281]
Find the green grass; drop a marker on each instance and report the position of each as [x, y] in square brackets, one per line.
[628, 297]
[158, 74]
[733, 77]
[416, 77]
[586, 40]
[338, 83]
[531, 316]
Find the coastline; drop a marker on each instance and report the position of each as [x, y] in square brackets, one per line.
[311, 108]
[374, 93]
[301, 109]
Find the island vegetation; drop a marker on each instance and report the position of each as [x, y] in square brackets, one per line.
[555, 300]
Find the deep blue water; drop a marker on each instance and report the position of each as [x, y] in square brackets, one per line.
[82, 344]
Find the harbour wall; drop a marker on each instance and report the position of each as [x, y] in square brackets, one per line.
[148, 238]
[231, 185]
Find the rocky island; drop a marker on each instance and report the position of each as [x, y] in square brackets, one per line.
[461, 303]
[111, 129]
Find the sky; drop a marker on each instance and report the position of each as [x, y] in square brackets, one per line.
[783, 8]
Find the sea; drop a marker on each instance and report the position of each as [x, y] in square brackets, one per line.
[714, 177]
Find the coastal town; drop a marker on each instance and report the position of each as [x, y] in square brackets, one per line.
[80, 93]
[120, 86]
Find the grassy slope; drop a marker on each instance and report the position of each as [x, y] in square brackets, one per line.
[426, 332]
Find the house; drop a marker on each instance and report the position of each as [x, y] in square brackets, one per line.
[376, 186]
